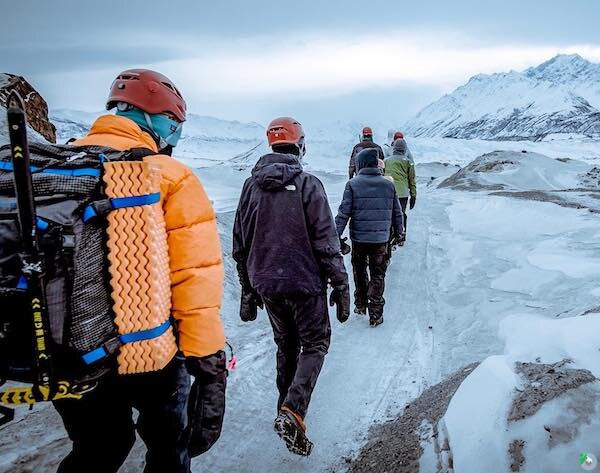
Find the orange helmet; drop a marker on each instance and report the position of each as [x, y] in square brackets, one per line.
[367, 131]
[285, 131]
[149, 91]
[398, 135]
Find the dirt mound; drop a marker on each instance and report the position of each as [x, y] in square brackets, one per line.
[395, 446]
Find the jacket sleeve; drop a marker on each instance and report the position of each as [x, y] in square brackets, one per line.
[240, 245]
[412, 180]
[323, 235]
[381, 153]
[344, 210]
[352, 164]
[196, 267]
[397, 216]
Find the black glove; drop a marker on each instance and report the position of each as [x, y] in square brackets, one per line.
[250, 301]
[340, 296]
[413, 201]
[345, 247]
[206, 404]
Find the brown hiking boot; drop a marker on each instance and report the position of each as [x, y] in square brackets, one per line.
[291, 429]
[360, 310]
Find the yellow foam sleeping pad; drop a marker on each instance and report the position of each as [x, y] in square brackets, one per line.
[138, 257]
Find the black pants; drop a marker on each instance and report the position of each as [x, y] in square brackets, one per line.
[102, 428]
[302, 331]
[404, 204]
[369, 264]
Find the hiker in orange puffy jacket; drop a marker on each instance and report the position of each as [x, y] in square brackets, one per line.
[150, 114]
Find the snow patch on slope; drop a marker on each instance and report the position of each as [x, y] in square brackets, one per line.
[555, 426]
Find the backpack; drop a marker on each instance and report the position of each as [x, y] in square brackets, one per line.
[70, 205]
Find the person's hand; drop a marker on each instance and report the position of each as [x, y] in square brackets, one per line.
[206, 402]
[413, 201]
[345, 247]
[340, 296]
[250, 301]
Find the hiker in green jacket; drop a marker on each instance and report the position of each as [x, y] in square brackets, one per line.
[401, 167]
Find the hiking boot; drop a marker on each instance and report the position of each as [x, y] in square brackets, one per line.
[375, 321]
[360, 310]
[291, 429]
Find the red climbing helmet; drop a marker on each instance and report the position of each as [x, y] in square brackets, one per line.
[398, 135]
[149, 91]
[285, 131]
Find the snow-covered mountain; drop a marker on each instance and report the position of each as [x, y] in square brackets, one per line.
[559, 97]
[78, 122]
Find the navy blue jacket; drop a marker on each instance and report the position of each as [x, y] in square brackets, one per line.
[371, 204]
[284, 236]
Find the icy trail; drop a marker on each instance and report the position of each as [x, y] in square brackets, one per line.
[367, 371]
[470, 260]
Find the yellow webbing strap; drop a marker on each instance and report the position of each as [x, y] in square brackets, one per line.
[28, 395]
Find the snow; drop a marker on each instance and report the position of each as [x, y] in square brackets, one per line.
[4, 80]
[529, 221]
[480, 449]
[471, 260]
[485, 398]
[554, 255]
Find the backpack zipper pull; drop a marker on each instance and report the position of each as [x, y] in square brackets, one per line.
[76, 156]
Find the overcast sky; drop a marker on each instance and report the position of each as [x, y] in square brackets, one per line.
[317, 60]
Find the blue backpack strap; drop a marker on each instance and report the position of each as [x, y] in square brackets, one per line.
[110, 347]
[102, 207]
[79, 172]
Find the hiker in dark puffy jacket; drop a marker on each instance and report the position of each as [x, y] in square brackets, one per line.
[365, 143]
[371, 204]
[287, 249]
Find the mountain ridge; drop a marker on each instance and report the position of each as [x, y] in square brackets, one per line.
[558, 97]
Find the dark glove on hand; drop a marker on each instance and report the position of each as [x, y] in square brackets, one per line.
[206, 404]
[395, 241]
[413, 201]
[340, 296]
[345, 247]
[249, 303]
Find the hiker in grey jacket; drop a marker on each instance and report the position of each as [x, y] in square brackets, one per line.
[388, 150]
[371, 204]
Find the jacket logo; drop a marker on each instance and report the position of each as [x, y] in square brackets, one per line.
[290, 187]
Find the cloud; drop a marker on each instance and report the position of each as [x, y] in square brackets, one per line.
[336, 66]
[253, 77]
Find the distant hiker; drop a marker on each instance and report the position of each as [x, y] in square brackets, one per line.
[389, 148]
[371, 204]
[365, 143]
[287, 250]
[401, 167]
[175, 422]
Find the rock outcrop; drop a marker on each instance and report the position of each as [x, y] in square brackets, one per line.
[36, 107]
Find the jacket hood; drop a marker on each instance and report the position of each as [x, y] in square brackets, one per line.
[367, 158]
[119, 133]
[399, 146]
[275, 170]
